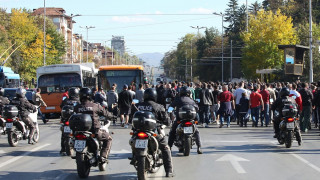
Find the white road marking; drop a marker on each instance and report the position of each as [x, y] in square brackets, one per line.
[2, 152]
[234, 160]
[21, 156]
[232, 141]
[306, 162]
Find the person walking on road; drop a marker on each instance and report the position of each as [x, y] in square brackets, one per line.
[206, 99]
[237, 96]
[305, 117]
[226, 106]
[140, 93]
[266, 100]
[316, 103]
[244, 108]
[256, 103]
[125, 102]
[40, 102]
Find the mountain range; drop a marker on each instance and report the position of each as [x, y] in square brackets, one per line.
[152, 59]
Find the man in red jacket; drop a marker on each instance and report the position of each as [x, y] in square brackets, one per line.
[265, 113]
[256, 103]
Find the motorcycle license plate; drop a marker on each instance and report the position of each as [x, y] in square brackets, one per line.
[79, 145]
[187, 130]
[67, 129]
[9, 125]
[290, 125]
[141, 143]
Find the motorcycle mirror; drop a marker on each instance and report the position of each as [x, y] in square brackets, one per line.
[64, 98]
[135, 101]
[170, 109]
[198, 100]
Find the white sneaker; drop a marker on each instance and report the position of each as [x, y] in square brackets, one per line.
[126, 126]
[204, 125]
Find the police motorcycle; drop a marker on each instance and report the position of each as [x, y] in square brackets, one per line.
[16, 128]
[289, 128]
[66, 112]
[184, 139]
[85, 144]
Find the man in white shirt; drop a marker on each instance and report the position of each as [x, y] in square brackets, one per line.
[237, 95]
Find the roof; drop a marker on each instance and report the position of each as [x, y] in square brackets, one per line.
[121, 67]
[293, 46]
[50, 11]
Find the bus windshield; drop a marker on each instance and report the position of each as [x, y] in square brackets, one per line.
[120, 77]
[58, 82]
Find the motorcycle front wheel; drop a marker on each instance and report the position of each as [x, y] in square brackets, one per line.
[187, 146]
[69, 150]
[83, 165]
[288, 140]
[141, 168]
[36, 135]
[13, 139]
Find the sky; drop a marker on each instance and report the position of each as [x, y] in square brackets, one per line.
[148, 26]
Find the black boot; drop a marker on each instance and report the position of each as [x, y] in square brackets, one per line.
[169, 174]
[30, 140]
[199, 151]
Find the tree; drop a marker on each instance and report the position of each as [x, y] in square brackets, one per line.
[231, 15]
[255, 7]
[266, 31]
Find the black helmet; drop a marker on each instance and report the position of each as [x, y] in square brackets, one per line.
[1, 91]
[185, 91]
[284, 92]
[73, 92]
[85, 94]
[20, 92]
[150, 94]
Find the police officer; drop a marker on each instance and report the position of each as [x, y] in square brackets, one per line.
[95, 110]
[3, 100]
[278, 106]
[184, 99]
[73, 100]
[149, 104]
[25, 107]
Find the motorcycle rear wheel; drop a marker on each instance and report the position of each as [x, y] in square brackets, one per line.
[288, 140]
[13, 139]
[83, 165]
[141, 168]
[187, 146]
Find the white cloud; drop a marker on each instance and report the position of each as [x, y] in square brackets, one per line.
[159, 12]
[126, 19]
[201, 11]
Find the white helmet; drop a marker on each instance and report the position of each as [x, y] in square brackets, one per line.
[20, 92]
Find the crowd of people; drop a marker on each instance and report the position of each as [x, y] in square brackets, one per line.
[221, 103]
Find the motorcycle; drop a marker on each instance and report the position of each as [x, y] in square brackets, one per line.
[185, 139]
[2, 125]
[66, 113]
[146, 155]
[17, 129]
[289, 128]
[87, 147]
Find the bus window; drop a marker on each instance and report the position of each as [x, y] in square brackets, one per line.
[58, 82]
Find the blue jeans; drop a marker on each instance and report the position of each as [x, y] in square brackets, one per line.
[222, 118]
[41, 115]
[265, 115]
[255, 115]
[204, 114]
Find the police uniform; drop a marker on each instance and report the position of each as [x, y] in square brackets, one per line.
[278, 106]
[70, 102]
[161, 115]
[25, 107]
[95, 110]
[179, 102]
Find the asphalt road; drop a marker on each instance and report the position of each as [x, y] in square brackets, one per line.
[229, 153]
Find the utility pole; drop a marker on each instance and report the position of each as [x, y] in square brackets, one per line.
[112, 55]
[191, 78]
[44, 32]
[72, 35]
[87, 39]
[186, 67]
[105, 52]
[222, 59]
[197, 27]
[231, 62]
[247, 19]
[310, 42]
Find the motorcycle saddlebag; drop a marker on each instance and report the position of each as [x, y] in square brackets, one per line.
[10, 111]
[66, 111]
[80, 122]
[289, 110]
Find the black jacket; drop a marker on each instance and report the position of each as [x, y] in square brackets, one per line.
[206, 97]
[24, 106]
[157, 109]
[279, 104]
[95, 110]
[70, 101]
[316, 98]
[184, 100]
[306, 97]
[125, 99]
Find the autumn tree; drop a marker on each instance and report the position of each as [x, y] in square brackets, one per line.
[266, 31]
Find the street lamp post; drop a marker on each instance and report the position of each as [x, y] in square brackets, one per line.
[222, 59]
[72, 35]
[197, 27]
[310, 42]
[87, 27]
[44, 32]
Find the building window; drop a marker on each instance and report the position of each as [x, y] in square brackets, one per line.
[56, 20]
